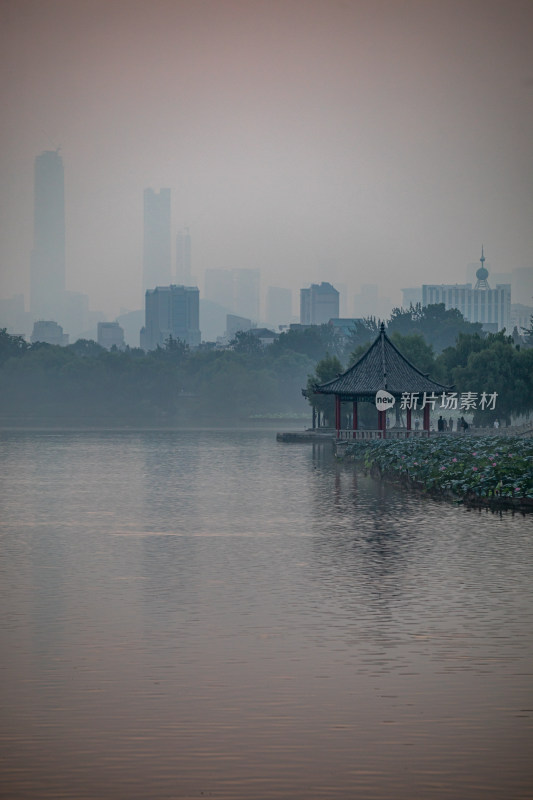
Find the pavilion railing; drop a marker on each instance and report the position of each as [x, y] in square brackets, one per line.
[390, 433]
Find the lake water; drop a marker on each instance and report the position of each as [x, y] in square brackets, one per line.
[215, 614]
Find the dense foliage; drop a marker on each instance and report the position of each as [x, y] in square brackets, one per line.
[173, 384]
[438, 325]
[476, 362]
[465, 465]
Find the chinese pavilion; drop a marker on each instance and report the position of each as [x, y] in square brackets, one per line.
[382, 367]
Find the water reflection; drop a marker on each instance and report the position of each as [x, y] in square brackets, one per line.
[219, 614]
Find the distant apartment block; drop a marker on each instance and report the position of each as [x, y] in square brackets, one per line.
[49, 332]
[110, 334]
[171, 311]
[234, 324]
[318, 304]
[491, 307]
[156, 241]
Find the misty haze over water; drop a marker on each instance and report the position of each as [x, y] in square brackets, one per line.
[216, 614]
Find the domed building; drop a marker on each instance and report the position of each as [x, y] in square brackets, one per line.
[482, 274]
[491, 307]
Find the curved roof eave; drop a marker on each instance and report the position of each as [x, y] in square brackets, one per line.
[391, 371]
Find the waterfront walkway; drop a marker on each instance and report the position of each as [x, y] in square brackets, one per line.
[348, 435]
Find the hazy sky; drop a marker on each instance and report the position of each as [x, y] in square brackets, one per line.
[383, 139]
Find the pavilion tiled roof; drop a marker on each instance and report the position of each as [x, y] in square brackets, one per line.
[381, 367]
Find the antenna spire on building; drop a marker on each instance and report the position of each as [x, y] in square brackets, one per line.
[482, 273]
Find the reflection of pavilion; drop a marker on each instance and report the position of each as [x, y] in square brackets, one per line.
[382, 367]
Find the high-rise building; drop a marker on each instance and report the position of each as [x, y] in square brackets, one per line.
[156, 242]
[171, 311]
[110, 334]
[491, 307]
[318, 304]
[183, 257]
[234, 324]
[47, 271]
[49, 332]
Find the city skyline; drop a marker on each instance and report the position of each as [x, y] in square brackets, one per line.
[234, 291]
[385, 140]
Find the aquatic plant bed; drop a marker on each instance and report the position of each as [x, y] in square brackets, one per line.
[486, 470]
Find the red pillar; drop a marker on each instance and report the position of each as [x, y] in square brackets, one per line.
[426, 417]
[337, 413]
[382, 423]
[409, 419]
[354, 416]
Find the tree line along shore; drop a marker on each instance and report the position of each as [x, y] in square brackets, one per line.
[83, 383]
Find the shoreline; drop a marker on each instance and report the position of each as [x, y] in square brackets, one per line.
[479, 472]
[493, 503]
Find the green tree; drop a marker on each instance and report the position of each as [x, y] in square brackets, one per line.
[502, 368]
[439, 326]
[86, 347]
[314, 341]
[326, 369]
[11, 346]
[528, 333]
[458, 355]
[247, 343]
[416, 350]
[361, 337]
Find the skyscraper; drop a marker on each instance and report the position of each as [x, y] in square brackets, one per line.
[47, 270]
[318, 304]
[156, 243]
[171, 311]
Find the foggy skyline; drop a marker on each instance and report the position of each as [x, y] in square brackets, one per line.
[388, 140]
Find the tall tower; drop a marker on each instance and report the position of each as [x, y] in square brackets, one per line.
[47, 269]
[482, 274]
[156, 243]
